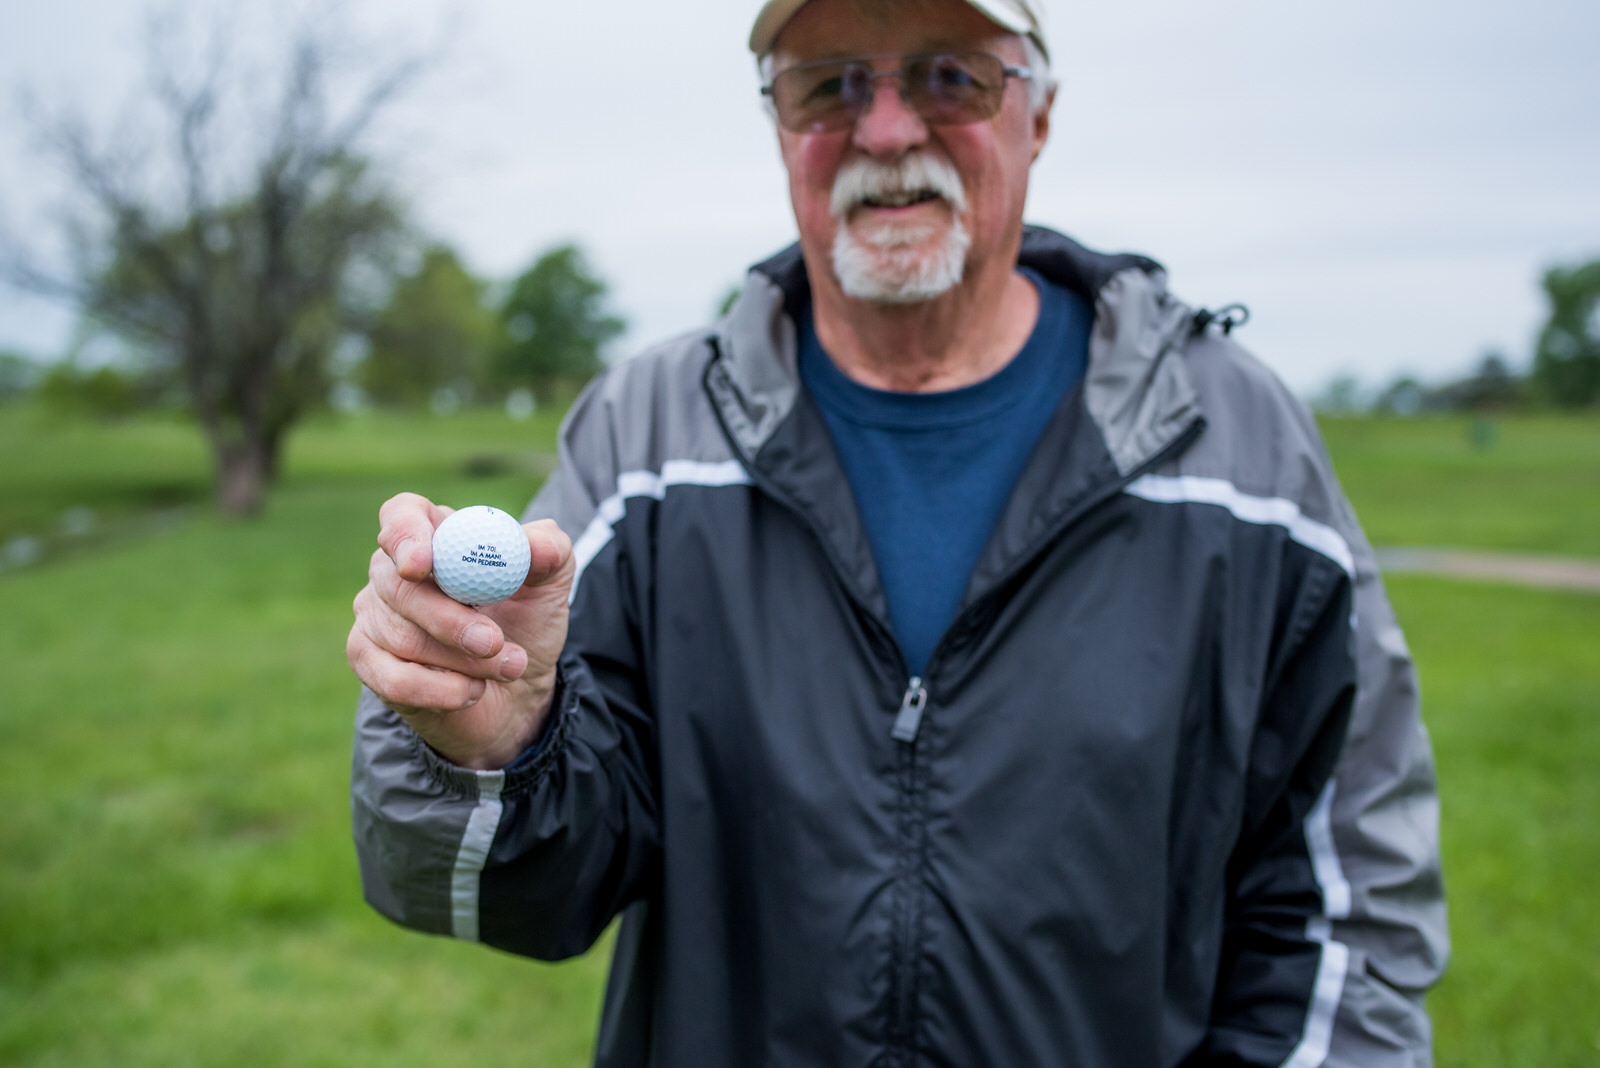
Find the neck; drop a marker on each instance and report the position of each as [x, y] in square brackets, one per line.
[961, 337]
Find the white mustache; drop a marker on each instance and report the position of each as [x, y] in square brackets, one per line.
[918, 172]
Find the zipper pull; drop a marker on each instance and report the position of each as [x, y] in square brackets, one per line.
[910, 715]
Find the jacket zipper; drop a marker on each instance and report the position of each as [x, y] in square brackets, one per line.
[1022, 559]
[906, 929]
[907, 724]
[909, 718]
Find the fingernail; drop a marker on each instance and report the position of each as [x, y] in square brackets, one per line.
[402, 550]
[513, 664]
[475, 692]
[478, 639]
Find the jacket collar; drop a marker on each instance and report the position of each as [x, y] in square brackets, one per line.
[1136, 389]
[1135, 401]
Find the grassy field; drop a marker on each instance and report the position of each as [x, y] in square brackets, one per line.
[1535, 488]
[179, 888]
[1511, 686]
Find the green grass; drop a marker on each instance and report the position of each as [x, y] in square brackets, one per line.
[1421, 482]
[124, 472]
[53, 463]
[179, 888]
[1511, 694]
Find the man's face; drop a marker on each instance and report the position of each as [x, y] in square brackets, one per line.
[843, 184]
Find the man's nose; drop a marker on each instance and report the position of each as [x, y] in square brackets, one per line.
[888, 128]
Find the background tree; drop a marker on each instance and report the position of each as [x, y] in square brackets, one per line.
[1341, 396]
[1492, 388]
[240, 272]
[435, 332]
[18, 375]
[554, 324]
[1566, 361]
[1402, 396]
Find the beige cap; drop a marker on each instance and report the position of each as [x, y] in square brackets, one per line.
[1018, 16]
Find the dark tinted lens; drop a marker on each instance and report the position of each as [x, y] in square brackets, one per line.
[821, 96]
[953, 89]
[946, 89]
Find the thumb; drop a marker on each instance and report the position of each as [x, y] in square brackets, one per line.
[551, 560]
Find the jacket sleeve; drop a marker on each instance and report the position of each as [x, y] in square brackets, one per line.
[1335, 925]
[539, 857]
[1383, 825]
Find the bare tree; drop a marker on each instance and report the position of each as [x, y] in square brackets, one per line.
[240, 272]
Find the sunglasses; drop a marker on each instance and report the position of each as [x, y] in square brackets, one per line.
[944, 88]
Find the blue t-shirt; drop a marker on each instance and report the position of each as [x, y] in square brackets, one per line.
[931, 472]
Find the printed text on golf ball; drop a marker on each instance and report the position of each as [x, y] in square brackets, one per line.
[480, 555]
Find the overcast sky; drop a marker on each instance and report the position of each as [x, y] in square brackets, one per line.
[1382, 183]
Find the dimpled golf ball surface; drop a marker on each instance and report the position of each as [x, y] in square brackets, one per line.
[480, 555]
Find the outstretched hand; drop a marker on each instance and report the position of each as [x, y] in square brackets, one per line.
[475, 683]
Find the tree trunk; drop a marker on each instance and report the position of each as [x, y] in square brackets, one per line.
[241, 478]
[272, 454]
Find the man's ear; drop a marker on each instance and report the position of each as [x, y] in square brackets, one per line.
[1041, 122]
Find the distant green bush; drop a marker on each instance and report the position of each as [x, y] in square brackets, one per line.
[102, 392]
[19, 376]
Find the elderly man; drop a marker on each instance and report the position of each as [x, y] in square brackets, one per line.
[970, 659]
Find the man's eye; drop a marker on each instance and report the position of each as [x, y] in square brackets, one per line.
[951, 76]
[826, 89]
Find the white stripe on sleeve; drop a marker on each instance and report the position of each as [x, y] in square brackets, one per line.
[1318, 1036]
[647, 484]
[1334, 963]
[476, 839]
[1267, 511]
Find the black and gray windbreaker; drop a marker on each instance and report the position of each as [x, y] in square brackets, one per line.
[1162, 798]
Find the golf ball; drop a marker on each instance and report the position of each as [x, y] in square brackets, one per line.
[480, 555]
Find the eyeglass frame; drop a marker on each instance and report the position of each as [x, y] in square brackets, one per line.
[1007, 72]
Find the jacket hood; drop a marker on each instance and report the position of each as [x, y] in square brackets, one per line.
[1136, 388]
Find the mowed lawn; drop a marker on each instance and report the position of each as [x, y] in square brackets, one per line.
[1420, 482]
[178, 885]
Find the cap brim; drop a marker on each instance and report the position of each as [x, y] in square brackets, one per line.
[775, 14]
[770, 21]
[1006, 16]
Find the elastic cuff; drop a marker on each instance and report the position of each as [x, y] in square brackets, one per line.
[523, 773]
[533, 766]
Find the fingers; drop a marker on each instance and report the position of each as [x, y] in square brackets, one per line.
[411, 670]
[405, 533]
[405, 685]
[426, 655]
[422, 605]
[406, 524]
[402, 638]
[551, 553]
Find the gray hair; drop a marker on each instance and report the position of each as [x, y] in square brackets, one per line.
[1041, 83]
